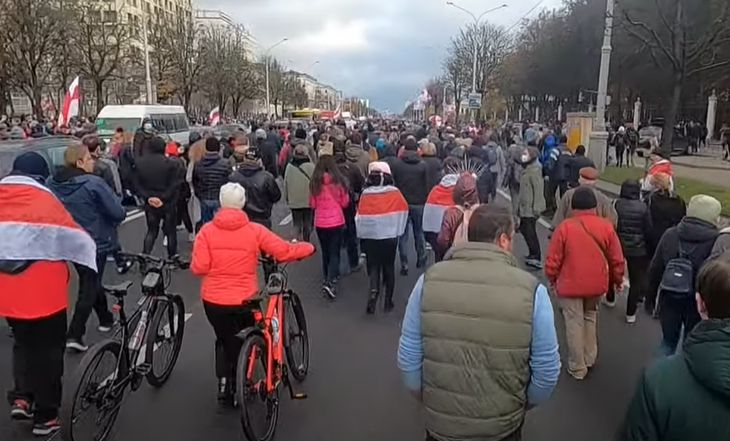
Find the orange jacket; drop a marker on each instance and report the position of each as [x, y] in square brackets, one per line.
[39, 291]
[575, 265]
[226, 254]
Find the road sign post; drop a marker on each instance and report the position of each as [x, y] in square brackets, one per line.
[475, 100]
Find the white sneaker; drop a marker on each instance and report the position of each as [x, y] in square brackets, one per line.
[103, 328]
[631, 319]
[191, 237]
[607, 303]
[77, 345]
[164, 241]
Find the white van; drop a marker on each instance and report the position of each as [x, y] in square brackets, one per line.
[169, 121]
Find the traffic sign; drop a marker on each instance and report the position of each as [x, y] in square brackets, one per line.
[475, 100]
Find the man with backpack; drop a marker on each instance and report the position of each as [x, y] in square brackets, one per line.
[678, 258]
[495, 163]
[549, 160]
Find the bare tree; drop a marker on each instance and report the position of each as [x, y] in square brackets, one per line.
[276, 81]
[161, 40]
[245, 82]
[186, 59]
[218, 54]
[455, 76]
[435, 89]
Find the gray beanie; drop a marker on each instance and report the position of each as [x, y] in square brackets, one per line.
[705, 208]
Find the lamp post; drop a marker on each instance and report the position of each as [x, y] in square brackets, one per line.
[599, 136]
[268, 91]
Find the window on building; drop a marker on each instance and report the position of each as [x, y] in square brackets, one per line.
[130, 18]
[110, 16]
[95, 16]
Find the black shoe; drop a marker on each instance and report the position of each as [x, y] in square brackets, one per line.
[47, 428]
[404, 270]
[389, 305]
[421, 263]
[372, 302]
[225, 392]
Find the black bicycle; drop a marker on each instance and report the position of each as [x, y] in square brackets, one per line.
[146, 345]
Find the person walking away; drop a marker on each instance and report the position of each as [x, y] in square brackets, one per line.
[158, 185]
[176, 154]
[262, 191]
[297, 177]
[225, 255]
[434, 166]
[410, 174]
[209, 175]
[620, 143]
[584, 258]
[665, 210]
[495, 162]
[513, 175]
[455, 225]
[578, 162]
[439, 200]
[355, 184]
[660, 163]
[381, 219]
[532, 203]
[588, 178]
[142, 138]
[99, 211]
[239, 145]
[479, 385]
[685, 396]
[328, 200]
[632, 136]
[672, 273]
[561, 171]
[633, 229]
[39, 237]
[356, 155]
[725, 141]
[268, 148]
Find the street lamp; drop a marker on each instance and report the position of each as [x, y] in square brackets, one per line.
[268, 91]
[476, 23]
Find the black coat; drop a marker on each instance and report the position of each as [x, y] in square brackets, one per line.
[561, 171]
[157, 176]
[665, 211]
[633, 222]
[269, 154]
[410, 174]
[262, 192]
[435, 169]
[209, 175]
[577, 163]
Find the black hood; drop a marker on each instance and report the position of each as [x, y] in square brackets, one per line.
[693, 230]
[411, 157]
[630, 189]
[249, 168]
[67, 173]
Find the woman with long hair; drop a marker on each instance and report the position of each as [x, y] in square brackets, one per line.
[328, 199]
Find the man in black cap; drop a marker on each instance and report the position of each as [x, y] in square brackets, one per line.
[262, 191]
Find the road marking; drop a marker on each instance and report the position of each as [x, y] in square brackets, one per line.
[540, 220]
[286, 221]
[133, 215]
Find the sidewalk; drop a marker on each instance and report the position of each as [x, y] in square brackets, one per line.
[706, 161]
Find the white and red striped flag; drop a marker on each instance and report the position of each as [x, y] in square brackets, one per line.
[70, 107]
[215, 116]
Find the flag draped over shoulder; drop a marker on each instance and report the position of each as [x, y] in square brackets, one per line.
[439, 200]
[381, 214]
[34, 225]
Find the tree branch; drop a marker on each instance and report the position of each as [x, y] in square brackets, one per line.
[708, 67]
[658, 43]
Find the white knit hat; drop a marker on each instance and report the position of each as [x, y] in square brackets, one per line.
[233, 196]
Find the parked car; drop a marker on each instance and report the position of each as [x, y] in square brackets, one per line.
[50, 147]
[680, 144]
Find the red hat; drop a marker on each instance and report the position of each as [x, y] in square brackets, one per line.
[172, 149]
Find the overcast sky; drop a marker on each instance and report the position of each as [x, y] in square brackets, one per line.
[384, 50]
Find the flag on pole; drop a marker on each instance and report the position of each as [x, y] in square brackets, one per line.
[338, 112]
[215, 116]
[70, 107]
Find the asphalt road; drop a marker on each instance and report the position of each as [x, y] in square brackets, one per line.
[354, 386]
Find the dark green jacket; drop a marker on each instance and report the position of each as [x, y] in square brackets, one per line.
[476, 323]
[685, 397]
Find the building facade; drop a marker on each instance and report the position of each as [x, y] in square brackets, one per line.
[319, 96]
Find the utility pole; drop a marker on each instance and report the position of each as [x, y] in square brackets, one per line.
[148, 75]
[597, 149]
[268, 90]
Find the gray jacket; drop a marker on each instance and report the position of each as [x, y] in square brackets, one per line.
[532, 196]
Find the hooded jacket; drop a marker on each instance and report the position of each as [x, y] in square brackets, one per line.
[686, 396]
[633, 222]
[434, 169]
[532, 198]
[329, 204]
[665, 210]
[209, 175]
[297, 177]
[355, 154]
[92, 204]
[262, 191]
[410, 174]
[226, 254]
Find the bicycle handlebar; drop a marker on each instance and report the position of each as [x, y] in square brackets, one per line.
[159, 261]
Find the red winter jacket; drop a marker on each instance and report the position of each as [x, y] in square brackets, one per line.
[575, 265]
[39, 291]
[226, 254]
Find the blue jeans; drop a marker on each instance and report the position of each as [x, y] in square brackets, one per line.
[208, 209]
[415, 219]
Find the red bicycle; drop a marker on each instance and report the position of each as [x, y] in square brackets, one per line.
[262, 369]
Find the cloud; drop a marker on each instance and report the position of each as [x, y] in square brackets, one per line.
[376, 49]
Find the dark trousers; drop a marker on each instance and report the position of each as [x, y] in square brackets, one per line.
[551, 204]
[432, 239]
[493, 188]
[563, 186]
[91, 298]
[303, 223]
[517, 436]
[227, 322]
[183, 215]
[673, 314]
[38, 363]
[330, 240]
[168, 218]
[620, 156]
[381, 264]
[415, 219]
[208, 209]
[638, 268]
[350, 237]
[529, 232]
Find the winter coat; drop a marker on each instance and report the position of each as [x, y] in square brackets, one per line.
[584, 260]
[605, 207]
[434, 171]
[359, 157]
[577, 163]
[269, 154]
[226, 254]
[665, 210]
[328, 205]
[297, 178]
[685, 397]
[633, 222]
[513, 168]
[532, 194]
[697, 237]
[106, 169]
[157, 176]
[355, 181]
[410, 174]
[561, 171]
[262, 191]
[92, 204]
[500, 166]
[722, 245]
[209, 175]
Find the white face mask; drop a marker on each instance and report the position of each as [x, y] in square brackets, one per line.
[147, 127]
[525, 158]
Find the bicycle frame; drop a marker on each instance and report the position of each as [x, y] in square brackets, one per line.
[272, 325]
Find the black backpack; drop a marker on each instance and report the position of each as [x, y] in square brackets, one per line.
[678, 277]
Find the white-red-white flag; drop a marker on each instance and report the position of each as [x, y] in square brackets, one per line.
[338, 112]
[70, 107]
[215, 116]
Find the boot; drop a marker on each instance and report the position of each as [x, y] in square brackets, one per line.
[372, 302]
[389, 305]
[225, 392]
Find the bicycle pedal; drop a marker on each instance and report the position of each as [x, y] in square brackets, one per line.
[144, 368]
[299, 396]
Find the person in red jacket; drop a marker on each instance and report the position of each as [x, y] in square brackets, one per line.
[226, 255]
[584, 259]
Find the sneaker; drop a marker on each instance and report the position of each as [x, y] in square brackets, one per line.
[191, 237]
[421, 262]
[76, 344]
[47, 428]
[608, 304]
[105, 327]
[124, 267]
[164, 241]
[21, 410]
[372, 302]
[329, 291]
[578, 376]
[404, 270]
[535, 263]
[631, 319]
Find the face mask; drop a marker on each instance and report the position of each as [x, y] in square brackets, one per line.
[525, 158]
[147, 127]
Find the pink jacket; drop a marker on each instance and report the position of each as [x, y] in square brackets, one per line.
[328, 205]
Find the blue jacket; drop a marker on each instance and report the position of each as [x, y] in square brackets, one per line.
[92, 204]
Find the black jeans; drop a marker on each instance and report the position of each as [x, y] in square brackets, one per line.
[638, 268]
[38, 363]
[330, 240]
[302, 220]
[183, 215]
[517, 436]
[415, 219]
[529, 232]
[673, 314]
[493, 188]
[563, 186]
[350, 239]
[91, 297]
[551, 204]
[620, 156]
[168, 217]
[381, 264]
[432, 239]
[227, 322]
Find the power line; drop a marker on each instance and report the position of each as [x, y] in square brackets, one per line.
[526, 14]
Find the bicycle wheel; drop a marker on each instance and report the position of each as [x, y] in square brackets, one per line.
[259, 409]
[164, 339]
[296, 338]
[92, 401]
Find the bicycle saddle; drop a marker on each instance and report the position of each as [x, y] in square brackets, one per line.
[118, 290]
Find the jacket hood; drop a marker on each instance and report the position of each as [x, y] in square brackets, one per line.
[353, 152]
[630, 189]
[693, 230]
[230, 219]
[410, 157]
[707, 354]
[69, 180]
[249, 168]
